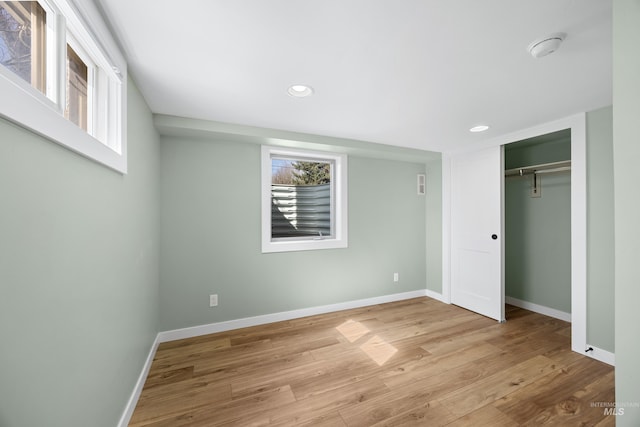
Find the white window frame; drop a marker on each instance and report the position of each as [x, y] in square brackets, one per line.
[339, 238]
[80, 24]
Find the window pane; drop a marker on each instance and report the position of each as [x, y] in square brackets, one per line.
[22, 41]
[76, 110]
[301, 202]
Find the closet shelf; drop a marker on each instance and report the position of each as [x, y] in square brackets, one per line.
[553, 167]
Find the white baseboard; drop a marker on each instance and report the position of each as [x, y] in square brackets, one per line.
[435, 295]
[137, 390]
[547, 311]
[212, 328]
[601, 355]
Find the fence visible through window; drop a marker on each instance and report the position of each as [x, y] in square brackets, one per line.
[300, 210]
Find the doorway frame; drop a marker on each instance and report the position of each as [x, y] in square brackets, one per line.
[577, 123]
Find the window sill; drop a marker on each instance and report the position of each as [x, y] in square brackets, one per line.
[306, 245]
[27, 110]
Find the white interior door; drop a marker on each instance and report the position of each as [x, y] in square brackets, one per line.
[476, 232]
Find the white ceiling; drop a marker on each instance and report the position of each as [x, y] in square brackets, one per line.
[412, 73]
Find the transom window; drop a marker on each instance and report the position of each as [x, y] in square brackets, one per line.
[77, 105]
[53, 64]
[23, 36]
[303, 201]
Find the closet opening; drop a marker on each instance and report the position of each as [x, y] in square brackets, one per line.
[537, 221]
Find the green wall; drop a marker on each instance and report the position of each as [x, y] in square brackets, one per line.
[211, 237]
[600, 230]
[552, 147]
[79, 257]
[538, 230]
[626, 152]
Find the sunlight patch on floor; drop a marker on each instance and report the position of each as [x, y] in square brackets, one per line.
[376, 348]
[379, 350]
[352, 330]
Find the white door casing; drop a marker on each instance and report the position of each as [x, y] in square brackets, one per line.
[577, 124]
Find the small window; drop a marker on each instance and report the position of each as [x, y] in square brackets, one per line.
[304, 203]
[56, 69]
[77, 106]
[301, 198]
[23, 32]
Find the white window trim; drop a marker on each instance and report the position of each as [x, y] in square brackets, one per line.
[29, 108]
[339, 239]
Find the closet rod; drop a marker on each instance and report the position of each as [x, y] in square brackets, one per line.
[540, 169]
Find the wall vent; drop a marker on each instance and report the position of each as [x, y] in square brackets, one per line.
[422, 184]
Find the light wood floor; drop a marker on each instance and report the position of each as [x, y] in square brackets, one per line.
[414, 362]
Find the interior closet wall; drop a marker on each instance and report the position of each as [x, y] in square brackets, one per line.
[538, 230]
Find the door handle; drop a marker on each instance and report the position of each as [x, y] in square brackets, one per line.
[494, 236]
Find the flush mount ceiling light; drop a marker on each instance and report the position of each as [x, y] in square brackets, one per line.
[300, 91]
[546, 45]
[479, 128]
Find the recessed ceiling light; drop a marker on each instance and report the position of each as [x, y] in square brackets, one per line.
[479, 128]
[300, 91]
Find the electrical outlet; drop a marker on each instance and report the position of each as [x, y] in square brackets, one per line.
[396, 277]
[213, 300]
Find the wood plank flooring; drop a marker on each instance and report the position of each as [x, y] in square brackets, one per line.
[413, 362]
